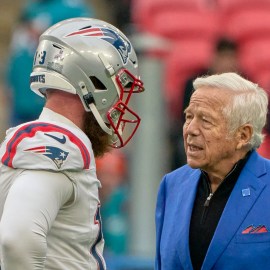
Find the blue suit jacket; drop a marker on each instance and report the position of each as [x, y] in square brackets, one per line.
[230, 248]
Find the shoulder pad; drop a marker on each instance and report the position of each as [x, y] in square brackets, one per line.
[40, 145]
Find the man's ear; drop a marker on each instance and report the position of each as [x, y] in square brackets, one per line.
[244, 134]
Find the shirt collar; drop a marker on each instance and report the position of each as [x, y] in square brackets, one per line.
[232, 176]
[237, 166]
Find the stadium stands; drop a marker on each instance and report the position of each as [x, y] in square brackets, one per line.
[193, 26]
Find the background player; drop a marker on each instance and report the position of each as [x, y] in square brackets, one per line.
[49, 205]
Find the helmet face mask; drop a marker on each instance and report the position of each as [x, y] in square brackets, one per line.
[123, 120]
[96, 61]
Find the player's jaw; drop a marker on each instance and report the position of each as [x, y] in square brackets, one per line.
[100, 140]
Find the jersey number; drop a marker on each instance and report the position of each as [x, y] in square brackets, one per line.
[93, 250]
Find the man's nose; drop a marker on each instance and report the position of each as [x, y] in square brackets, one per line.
[193, 127]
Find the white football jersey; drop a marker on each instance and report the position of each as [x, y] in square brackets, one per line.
[69, 226]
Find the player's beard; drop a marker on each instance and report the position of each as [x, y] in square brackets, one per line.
[100, 139]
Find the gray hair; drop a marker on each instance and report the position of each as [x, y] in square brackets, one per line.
[249, 104]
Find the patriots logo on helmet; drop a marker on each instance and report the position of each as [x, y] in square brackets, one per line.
[121, 44]
[57, 155]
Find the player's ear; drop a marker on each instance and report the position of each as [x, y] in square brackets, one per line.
[243, 135]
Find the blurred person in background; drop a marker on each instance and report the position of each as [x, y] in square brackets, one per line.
[3, 112]
[211, 212]
[36, 16]
[87, 71]
[225, 59]
[120, 14]
[112, 173]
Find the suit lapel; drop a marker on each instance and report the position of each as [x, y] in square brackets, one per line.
[185, 205]
[236, 208]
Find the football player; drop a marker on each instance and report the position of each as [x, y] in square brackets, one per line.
[87, 71]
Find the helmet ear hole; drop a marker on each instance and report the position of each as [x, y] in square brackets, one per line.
[97, 83]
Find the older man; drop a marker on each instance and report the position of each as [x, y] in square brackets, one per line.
[213, 212]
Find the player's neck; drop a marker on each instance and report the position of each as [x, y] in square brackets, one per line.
[68, 105]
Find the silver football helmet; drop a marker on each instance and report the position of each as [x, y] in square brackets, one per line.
[93, 59]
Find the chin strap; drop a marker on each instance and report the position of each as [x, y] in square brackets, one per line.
[99, 119]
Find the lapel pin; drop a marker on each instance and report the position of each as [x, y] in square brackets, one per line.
[246, 192]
